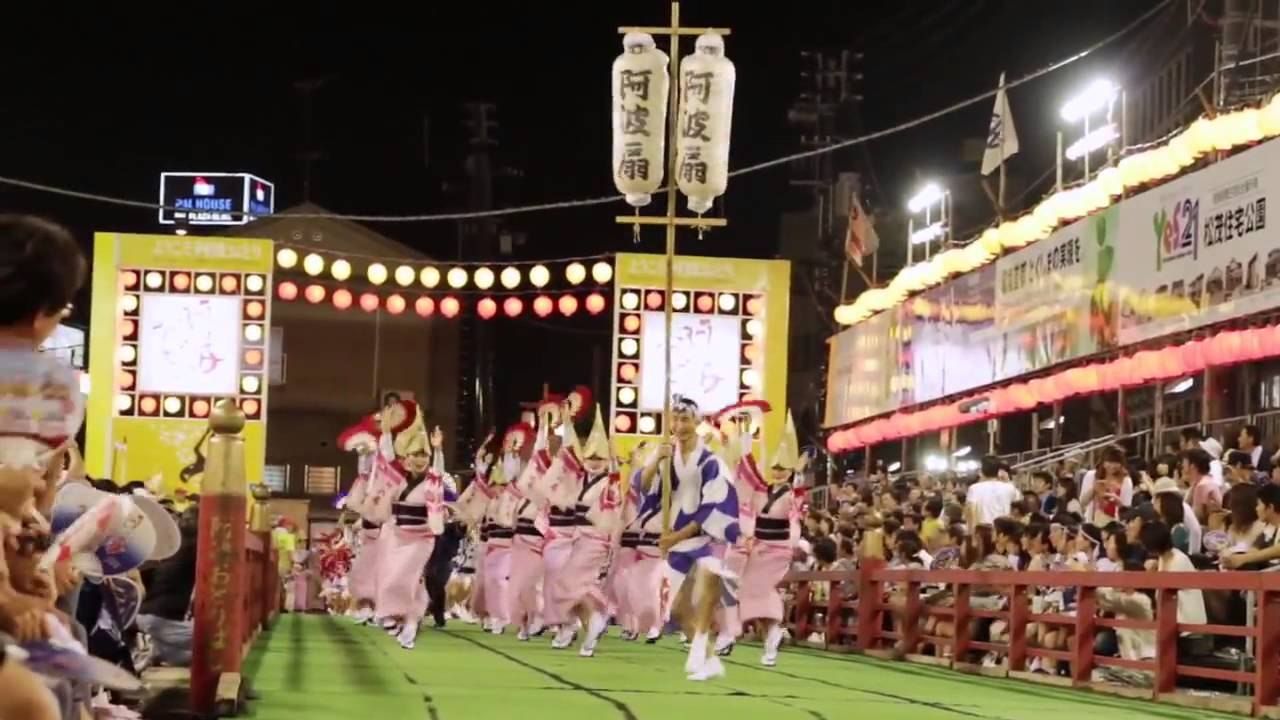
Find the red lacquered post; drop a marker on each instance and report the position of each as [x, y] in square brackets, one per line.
[219, 592]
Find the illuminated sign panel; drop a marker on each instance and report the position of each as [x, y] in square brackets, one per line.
[214, 198]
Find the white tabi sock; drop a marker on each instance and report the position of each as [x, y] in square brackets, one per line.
[697, 652]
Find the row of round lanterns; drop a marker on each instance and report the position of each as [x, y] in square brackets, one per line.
[449, 306]
[1226, 348]
[1204, 136]
[483, 278]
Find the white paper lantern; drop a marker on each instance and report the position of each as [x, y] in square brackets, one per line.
[640, 89]
[707, 78]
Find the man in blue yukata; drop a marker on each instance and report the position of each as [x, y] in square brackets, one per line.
[704, 506]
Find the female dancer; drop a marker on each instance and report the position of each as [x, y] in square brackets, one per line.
[597, 512]
[777, 513]
[406, 541]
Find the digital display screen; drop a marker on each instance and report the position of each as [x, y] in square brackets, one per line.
[189, 345]
[704, 359]
[214, 198]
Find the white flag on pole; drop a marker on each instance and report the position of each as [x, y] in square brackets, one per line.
[1002, 137]
[860, 237]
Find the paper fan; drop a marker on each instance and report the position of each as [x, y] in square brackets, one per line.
[81, 520]
[752, 408]
[947, 557]
[168, 536]
[52, 660]
[103, 534]
[1216, 541]
[362, 435]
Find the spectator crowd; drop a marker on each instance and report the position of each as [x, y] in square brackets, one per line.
[1203, 508]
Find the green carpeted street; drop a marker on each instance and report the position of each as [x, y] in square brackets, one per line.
[311, 667]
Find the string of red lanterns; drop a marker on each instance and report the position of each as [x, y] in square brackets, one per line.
[449, 306]
[1225, 348]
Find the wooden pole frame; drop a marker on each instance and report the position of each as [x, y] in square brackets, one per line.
[671, 220]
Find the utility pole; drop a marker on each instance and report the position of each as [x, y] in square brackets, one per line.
[477, 238]
[308, 155]
[820, 115]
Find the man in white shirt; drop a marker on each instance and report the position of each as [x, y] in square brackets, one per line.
[990, 497]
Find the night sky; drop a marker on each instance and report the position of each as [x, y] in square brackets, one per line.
[105, 106]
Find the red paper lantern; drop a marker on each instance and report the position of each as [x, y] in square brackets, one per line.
[450, 307]
[542, 306]
[396, 304]
[369, 302]
[286, 290]
[424, 306]
[595, 303]
[315, 294]
[568, 305]
[342, 298]
[512, 306]
[486, 308]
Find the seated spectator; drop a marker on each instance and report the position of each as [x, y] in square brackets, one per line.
[1158, 541]
[1134, 520]
[931, 529]
[164, 614]
[1266, 550]
[1243, 527]
[1035, 546]
[1250, 442]
[1132, 644]
[1066, 497]
[1193, 439]
[1009, 542]
[1115, 548]
[1042, 487]
[1177, 514]
[1169, 508]
[1204, 492]
[1240, 468]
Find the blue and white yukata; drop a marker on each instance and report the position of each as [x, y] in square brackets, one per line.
[701, 492]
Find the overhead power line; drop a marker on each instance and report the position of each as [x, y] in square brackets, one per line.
[608, 199]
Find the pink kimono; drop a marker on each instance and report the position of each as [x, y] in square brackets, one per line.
[298, 591]
[532, 520]
[497, 528]
[777, 528]
[750, 487]
[640, 583]
[558, 488]
[363, 577]
[615, 585]
[472, 508]
[597, 513]
[405, 545]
